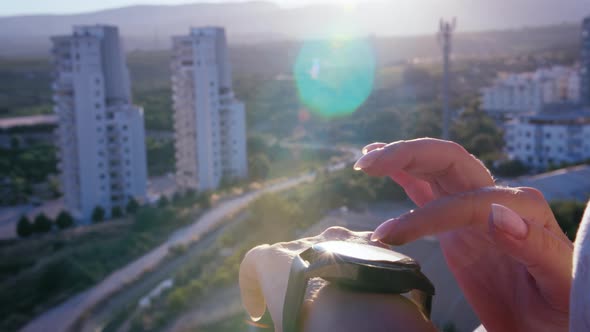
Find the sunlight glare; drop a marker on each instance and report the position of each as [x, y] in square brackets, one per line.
[335, 75]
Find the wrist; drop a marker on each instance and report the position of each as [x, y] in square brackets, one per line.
[338, 309]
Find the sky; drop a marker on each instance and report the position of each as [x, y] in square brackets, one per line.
[25, 7]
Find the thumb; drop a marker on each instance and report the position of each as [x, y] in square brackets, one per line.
[547, 257]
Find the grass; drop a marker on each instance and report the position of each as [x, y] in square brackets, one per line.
[231, 324]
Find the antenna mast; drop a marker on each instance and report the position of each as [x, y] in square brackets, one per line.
[445, 33]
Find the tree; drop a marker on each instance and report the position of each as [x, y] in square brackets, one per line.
[117, 212]
[190, 193]
[511, 168]
[204, 200]
[478, 133]
[42, 224]
[163, 201]
[132, 206]
[24, 228]
[568, 214]
[177, 197]
[427, 122]
[259, 166]
[98, 214]
[14, 143]
[64, 220]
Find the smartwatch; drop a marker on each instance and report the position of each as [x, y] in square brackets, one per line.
[356, 266]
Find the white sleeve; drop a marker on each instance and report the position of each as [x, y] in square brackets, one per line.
[580, 294]
[480, 329]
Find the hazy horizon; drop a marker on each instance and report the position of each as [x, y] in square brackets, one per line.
[61, 7]
[148, 27]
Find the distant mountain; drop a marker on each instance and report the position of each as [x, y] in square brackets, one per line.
[149, 27]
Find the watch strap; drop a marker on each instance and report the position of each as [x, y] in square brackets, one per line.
[295, 295]
[423, 300]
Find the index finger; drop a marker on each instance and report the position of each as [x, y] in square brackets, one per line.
[444, 163]
[465, 210]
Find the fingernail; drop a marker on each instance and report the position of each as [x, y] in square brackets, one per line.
[508, 221]
[367, 160]
[381, 231]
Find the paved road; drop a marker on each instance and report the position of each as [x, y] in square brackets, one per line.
[572, 183]
[62, 317]
[103, 313]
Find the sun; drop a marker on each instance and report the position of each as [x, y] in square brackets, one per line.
[348, 5]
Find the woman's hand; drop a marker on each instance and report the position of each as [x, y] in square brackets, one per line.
[264, 272]
[514, 268]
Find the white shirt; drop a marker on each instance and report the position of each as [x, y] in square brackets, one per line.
[580, 294]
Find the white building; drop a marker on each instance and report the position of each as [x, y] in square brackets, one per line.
[544, 139]
[100, 134]
[512, 93]
[209, 123]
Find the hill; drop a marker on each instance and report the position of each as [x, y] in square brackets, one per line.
[150, 27]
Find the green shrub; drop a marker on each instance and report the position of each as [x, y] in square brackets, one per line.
[64, 220]
[132, 206]
[98, 214]
[24, 228]
[42, 224]
[117, 212]
[568, 214]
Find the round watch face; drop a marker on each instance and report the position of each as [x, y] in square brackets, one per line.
[359, 251]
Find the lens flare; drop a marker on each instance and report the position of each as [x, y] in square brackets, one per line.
[334, 76]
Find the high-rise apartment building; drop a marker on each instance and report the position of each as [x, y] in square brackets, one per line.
[585, 62]
[100, 133]
[209, 123]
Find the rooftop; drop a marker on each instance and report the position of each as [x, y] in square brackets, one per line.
[567, 117]
[27, 121]
[572, 183]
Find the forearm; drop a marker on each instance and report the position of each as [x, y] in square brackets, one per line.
[337, 309]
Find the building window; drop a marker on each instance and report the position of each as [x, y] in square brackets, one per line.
[97, 105]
